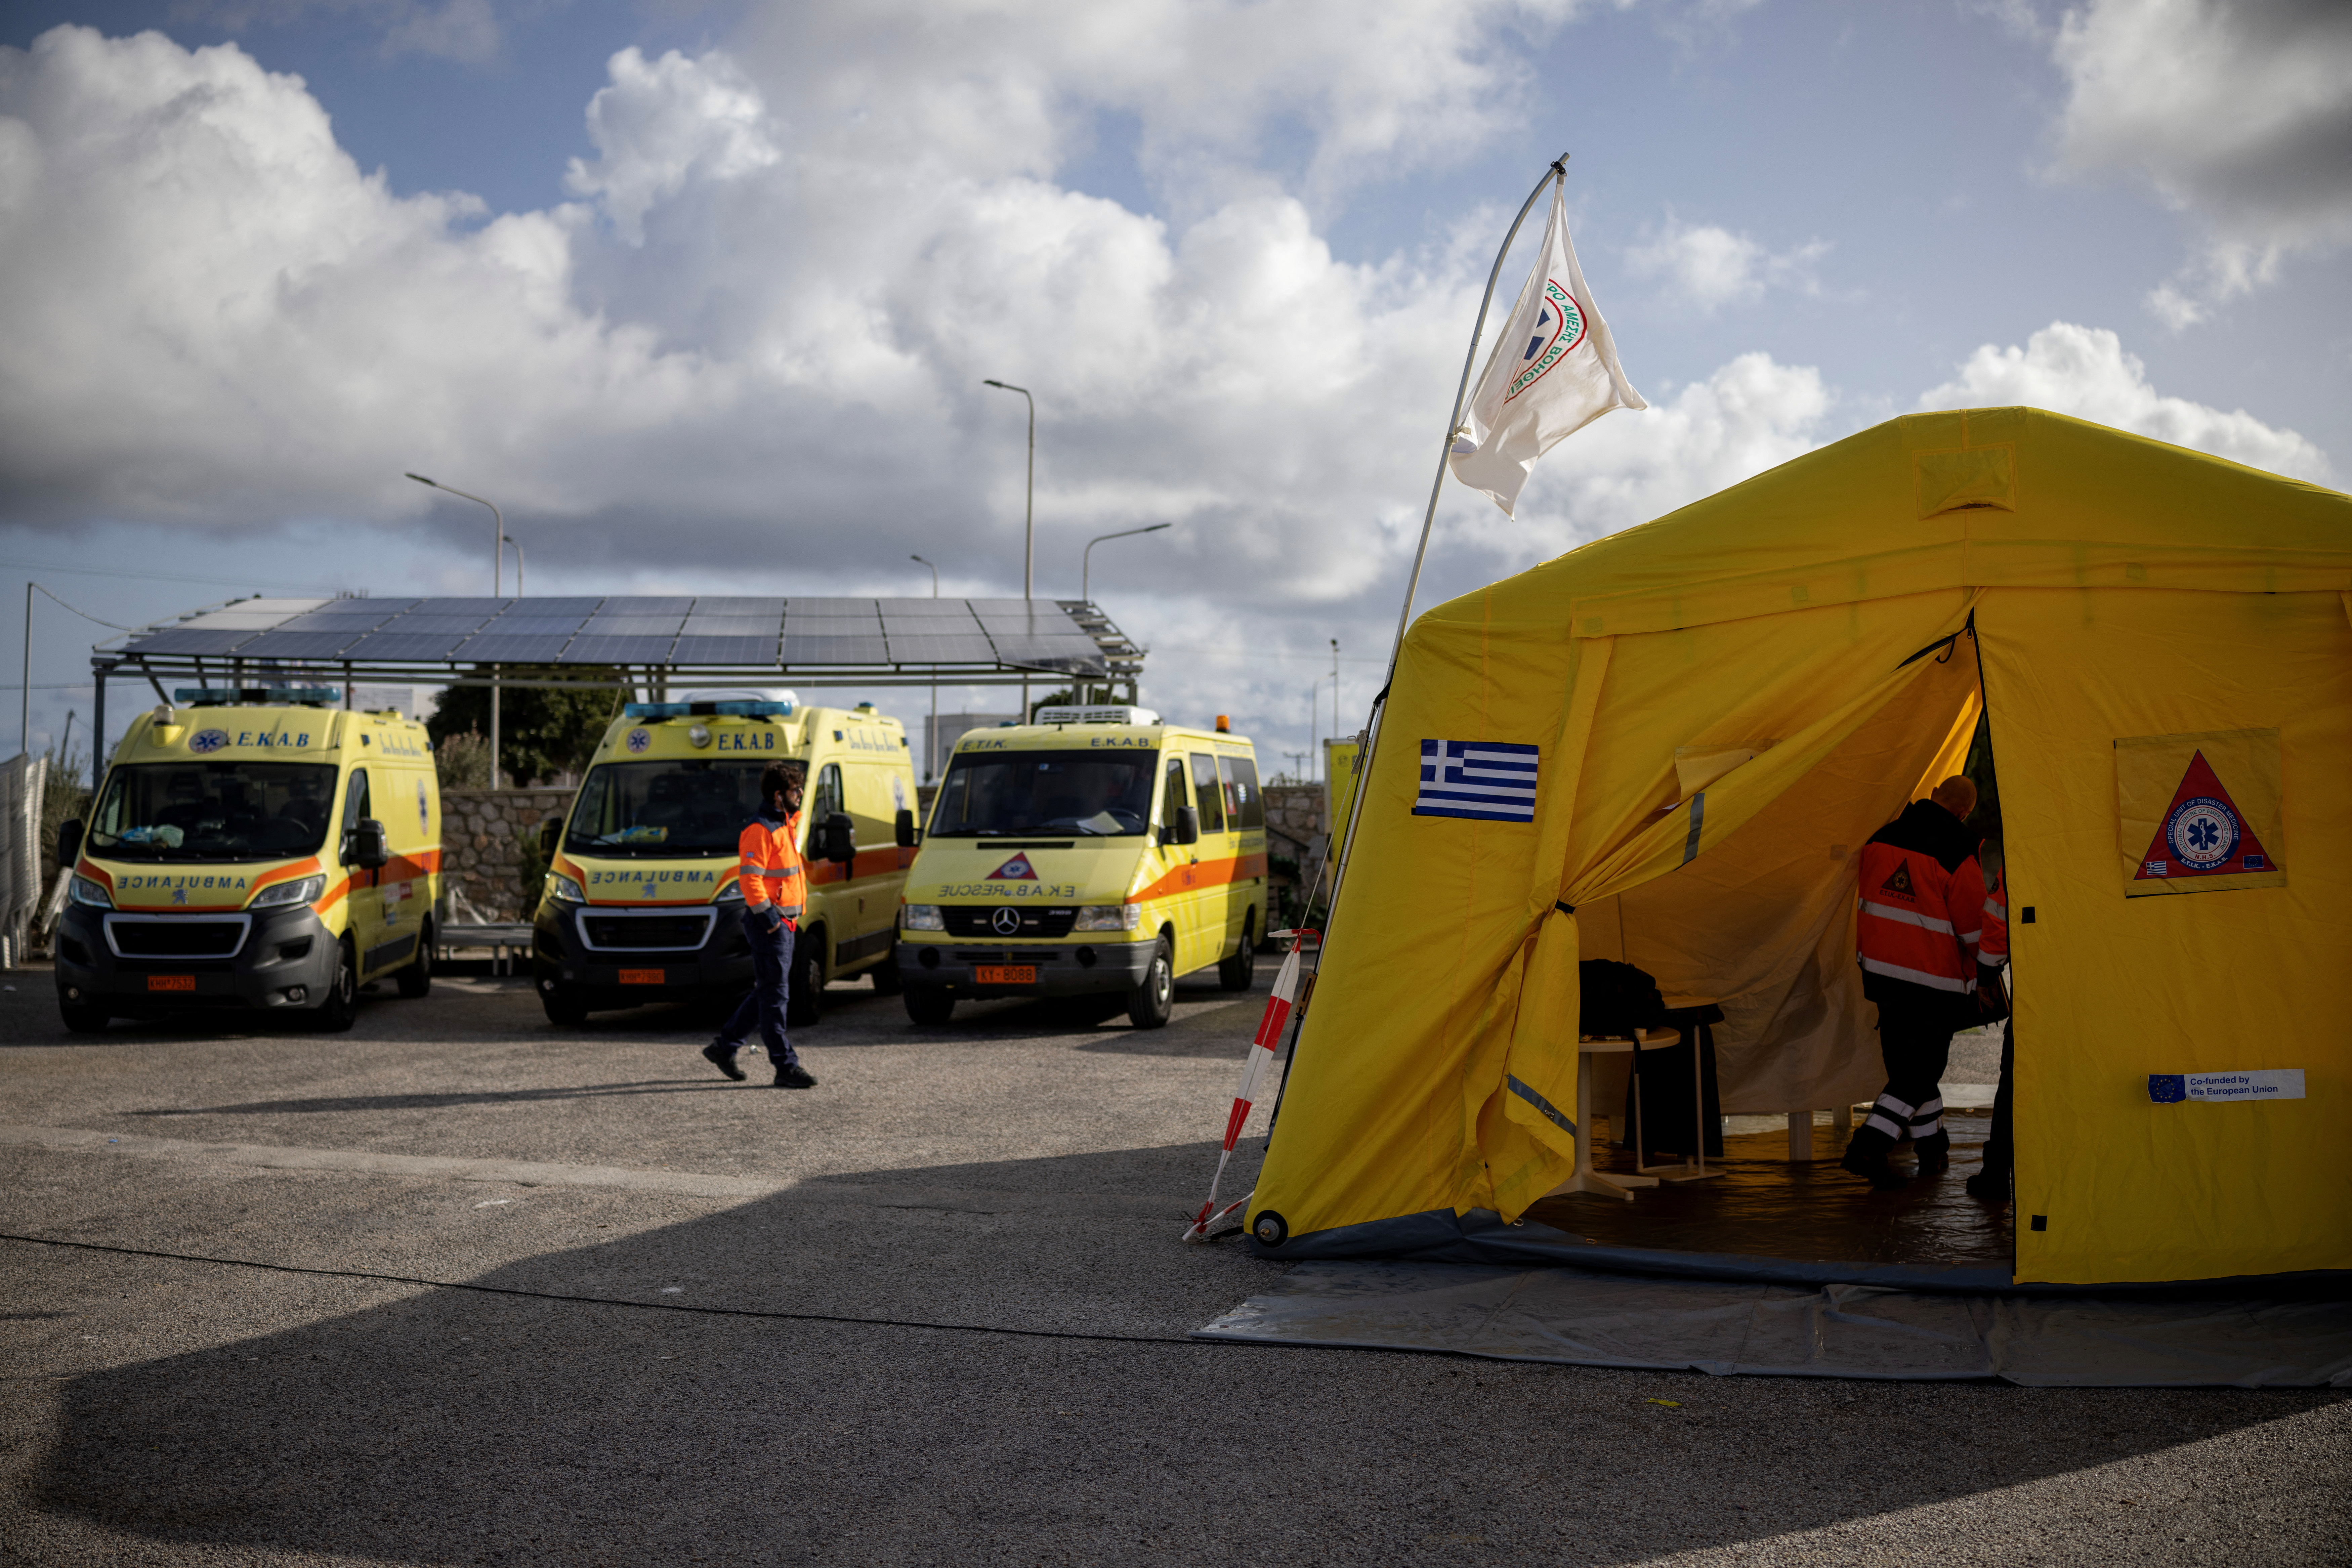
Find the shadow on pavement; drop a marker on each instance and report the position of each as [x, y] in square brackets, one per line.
[439, 1101]
[451, 1426]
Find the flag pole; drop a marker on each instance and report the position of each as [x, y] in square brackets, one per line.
[1556, 172]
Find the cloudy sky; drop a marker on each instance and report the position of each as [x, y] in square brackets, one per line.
[704, 293]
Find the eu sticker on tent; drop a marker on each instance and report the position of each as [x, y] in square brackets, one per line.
[1486, 780]
[2275, 1083]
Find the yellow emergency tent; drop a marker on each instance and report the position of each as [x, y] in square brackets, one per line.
[1724, 703]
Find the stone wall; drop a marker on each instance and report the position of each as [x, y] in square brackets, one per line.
[483, 834]
[1294, 811]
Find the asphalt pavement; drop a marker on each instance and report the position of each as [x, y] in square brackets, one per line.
[495, 1292]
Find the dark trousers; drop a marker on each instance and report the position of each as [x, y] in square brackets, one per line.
[763, 1005]
[1915, 1041]
[2001, 1147]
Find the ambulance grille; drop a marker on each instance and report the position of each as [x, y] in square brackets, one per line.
[979, 919]
[647, 933]
[177, 938]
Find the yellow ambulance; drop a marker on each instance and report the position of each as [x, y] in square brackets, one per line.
[643, 898]
[1098, 850]
[252, 848]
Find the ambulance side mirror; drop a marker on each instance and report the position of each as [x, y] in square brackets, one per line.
[910, 835]
[836, 839]
[1185, 829]
[549, 832]
[365, 847]
[69, 841]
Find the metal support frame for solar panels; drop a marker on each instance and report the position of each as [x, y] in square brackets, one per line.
[1112, 662]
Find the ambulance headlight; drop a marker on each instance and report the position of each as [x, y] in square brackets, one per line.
[1110, 917]
[921, 917]
[90, 894]
[301, 890]
[732, 894]
[563, 889]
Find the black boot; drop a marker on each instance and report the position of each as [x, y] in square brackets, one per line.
[1934, 1152]
[1989, 1186]
[1871, 1166]
[794, 1076]
[723, 1058]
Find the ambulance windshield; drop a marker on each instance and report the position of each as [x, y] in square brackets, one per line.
[677, 806]
[213, 810]
[992, 795]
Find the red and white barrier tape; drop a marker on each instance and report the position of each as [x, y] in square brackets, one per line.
[1263, 1047]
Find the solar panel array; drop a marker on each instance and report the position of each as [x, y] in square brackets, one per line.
[691, 632]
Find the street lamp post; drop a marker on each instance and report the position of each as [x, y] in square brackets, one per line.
[498, 559]
[1028, 521]
[1085, 561]
[511, 539]
[932, 739]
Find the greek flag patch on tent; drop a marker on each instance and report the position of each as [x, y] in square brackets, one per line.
[1486, 780]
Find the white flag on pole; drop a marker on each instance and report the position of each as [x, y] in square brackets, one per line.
[1553, 372]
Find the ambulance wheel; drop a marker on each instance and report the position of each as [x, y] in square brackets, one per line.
[82, 1018]
[564, 1005]
[417, 980]
[1235, 974]
[929, 1004]
[341, 1010]
[1271, 1229]
[887, 981]
[1150, 1005]
[804, 999]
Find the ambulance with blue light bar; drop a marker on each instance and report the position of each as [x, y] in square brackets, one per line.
[252, 849]
[1098, 850]
[643, 901]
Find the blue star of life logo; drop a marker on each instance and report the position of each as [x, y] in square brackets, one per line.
[179, 895]
[2203, 832]
[207, 740]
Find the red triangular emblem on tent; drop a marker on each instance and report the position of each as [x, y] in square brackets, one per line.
[1016, 869]
[2203, 833]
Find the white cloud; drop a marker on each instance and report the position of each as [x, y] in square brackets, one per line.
[211, 314]
[664, 123]
[2084, 372]
[1751, 414]
[1710, 267]
[2240, 112]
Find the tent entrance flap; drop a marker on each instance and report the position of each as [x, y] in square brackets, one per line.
[1740, 896]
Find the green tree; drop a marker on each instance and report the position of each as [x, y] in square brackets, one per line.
[542, 731]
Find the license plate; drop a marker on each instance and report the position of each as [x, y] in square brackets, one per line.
[171, 983]
[1004, 973]
[643, 977]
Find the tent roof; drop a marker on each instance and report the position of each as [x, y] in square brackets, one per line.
[1983, 498]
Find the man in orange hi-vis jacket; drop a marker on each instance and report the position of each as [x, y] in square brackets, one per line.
[775, 892]
[1921, 917]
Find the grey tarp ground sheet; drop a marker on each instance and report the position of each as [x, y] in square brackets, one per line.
[1590, 1319]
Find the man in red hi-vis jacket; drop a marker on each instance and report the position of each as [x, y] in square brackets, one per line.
[775, 892]
[1922, 915]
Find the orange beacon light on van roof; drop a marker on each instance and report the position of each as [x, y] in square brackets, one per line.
[1224, 725]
